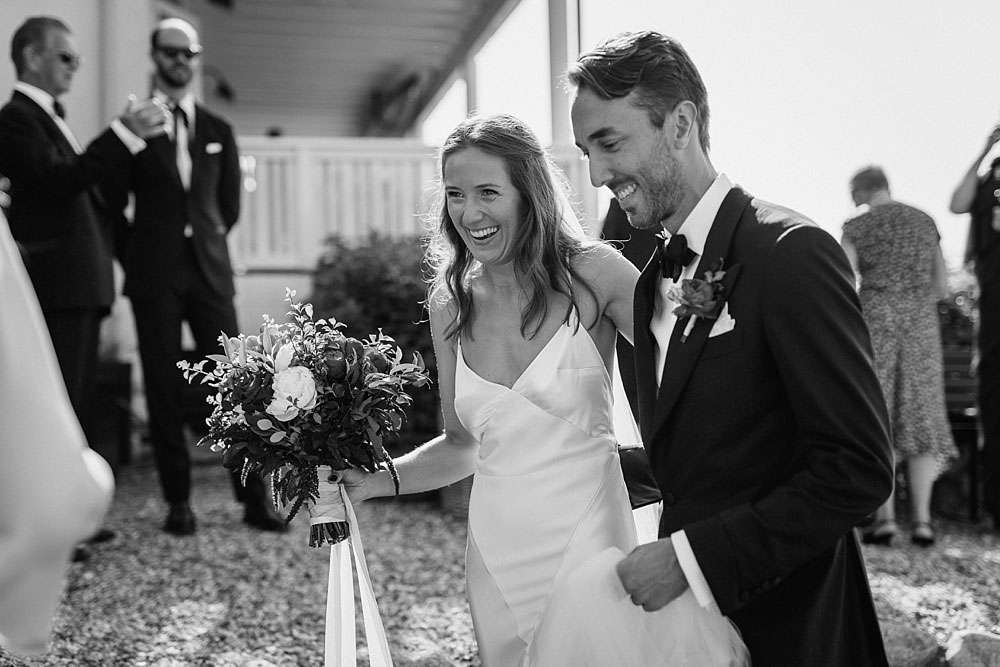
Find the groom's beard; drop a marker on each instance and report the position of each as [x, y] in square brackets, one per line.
[661, 190]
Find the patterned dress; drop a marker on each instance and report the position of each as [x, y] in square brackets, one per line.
[895, 246]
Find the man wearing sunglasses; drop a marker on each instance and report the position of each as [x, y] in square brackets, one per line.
[186, 190]
[54, 213]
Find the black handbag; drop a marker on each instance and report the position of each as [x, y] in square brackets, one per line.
[639, 480]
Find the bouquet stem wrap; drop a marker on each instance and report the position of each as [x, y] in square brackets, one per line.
[341, 639]
[328, 515]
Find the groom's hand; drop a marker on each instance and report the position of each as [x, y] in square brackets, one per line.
[651, 575]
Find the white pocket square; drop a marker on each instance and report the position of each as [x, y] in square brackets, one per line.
[213, 148]
[723, 324]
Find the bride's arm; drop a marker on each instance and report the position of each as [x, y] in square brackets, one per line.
[615, 278]
[444, 460]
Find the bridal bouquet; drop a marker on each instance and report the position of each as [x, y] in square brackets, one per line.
[300, 395]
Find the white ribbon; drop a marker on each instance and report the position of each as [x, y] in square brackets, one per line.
[341, 640]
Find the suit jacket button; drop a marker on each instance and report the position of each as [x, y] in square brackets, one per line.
[669, 499]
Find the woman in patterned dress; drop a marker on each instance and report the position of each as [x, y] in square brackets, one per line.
[896, 254]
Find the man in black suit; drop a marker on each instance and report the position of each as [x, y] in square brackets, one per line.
[54, 212]
[55, 215]
[760, 411]
[186, 189]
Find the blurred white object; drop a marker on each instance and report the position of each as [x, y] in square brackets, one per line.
[54, 491]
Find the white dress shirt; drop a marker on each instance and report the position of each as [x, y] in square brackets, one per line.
[695, 228]
[185, 132]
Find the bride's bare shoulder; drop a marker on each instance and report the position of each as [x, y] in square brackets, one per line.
[603, 266]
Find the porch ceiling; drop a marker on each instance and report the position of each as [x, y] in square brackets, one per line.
[372, 65]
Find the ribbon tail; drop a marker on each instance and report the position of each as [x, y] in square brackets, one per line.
[341, 639]
[378, 644]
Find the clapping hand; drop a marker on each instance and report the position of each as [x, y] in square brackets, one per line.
[993, 138]
[147, 118]
[651, 575]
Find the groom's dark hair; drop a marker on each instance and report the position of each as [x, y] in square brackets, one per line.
[653, 66]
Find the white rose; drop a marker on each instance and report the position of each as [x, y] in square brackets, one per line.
[294, 390]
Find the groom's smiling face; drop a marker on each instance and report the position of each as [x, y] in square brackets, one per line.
[629, 155]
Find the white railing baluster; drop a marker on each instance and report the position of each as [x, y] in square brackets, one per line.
[307, 188]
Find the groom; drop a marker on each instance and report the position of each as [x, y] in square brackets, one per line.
[764, 421]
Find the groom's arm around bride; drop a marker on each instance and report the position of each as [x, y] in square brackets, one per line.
[763, 419]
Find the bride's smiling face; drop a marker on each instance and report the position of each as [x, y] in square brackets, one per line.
[486, 209]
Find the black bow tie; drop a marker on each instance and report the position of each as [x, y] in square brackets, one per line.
[674, 255]
[59, 109]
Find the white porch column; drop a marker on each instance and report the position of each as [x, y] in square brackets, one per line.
[124, 29]
[471, 85]
[563, 48]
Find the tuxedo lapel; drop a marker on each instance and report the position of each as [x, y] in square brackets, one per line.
[196, 144]
[682, 356]
[642, 311]
[52, 130]
[56, 136]
[165, 150]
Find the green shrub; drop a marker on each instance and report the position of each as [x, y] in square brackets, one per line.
[378, 282]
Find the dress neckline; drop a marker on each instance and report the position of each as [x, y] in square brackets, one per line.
[541, 352]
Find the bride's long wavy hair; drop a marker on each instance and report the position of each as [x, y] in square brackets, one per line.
[551, 236]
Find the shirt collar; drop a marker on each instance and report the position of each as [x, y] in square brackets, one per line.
[38, 96]
[699, 221]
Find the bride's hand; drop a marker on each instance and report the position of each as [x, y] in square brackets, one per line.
[355, 483]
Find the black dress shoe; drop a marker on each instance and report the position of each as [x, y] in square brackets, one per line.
[103, 535]
[264, 518]
[883, 532]
[180, 520]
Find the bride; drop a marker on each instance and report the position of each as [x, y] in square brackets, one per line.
[524, 313]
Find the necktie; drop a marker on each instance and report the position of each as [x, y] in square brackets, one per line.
[181, 141]
[674, 255]
[60, 111]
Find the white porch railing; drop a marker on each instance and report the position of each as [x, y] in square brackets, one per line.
[297, 191]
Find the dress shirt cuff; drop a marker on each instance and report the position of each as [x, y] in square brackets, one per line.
[689, 565]
[132, 142]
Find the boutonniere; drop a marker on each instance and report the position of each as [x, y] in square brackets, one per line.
[699, 298]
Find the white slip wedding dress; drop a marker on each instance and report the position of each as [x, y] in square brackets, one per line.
[549, 518]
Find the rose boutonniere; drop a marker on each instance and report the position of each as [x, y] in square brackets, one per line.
[699, 298]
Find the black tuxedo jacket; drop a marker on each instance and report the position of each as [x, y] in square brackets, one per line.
[152, 247]
[771, 442]
[55, 213]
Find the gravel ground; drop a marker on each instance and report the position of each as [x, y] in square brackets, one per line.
[230, 596]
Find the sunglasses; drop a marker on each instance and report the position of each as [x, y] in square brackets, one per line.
[174, 52]
[67, 58]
